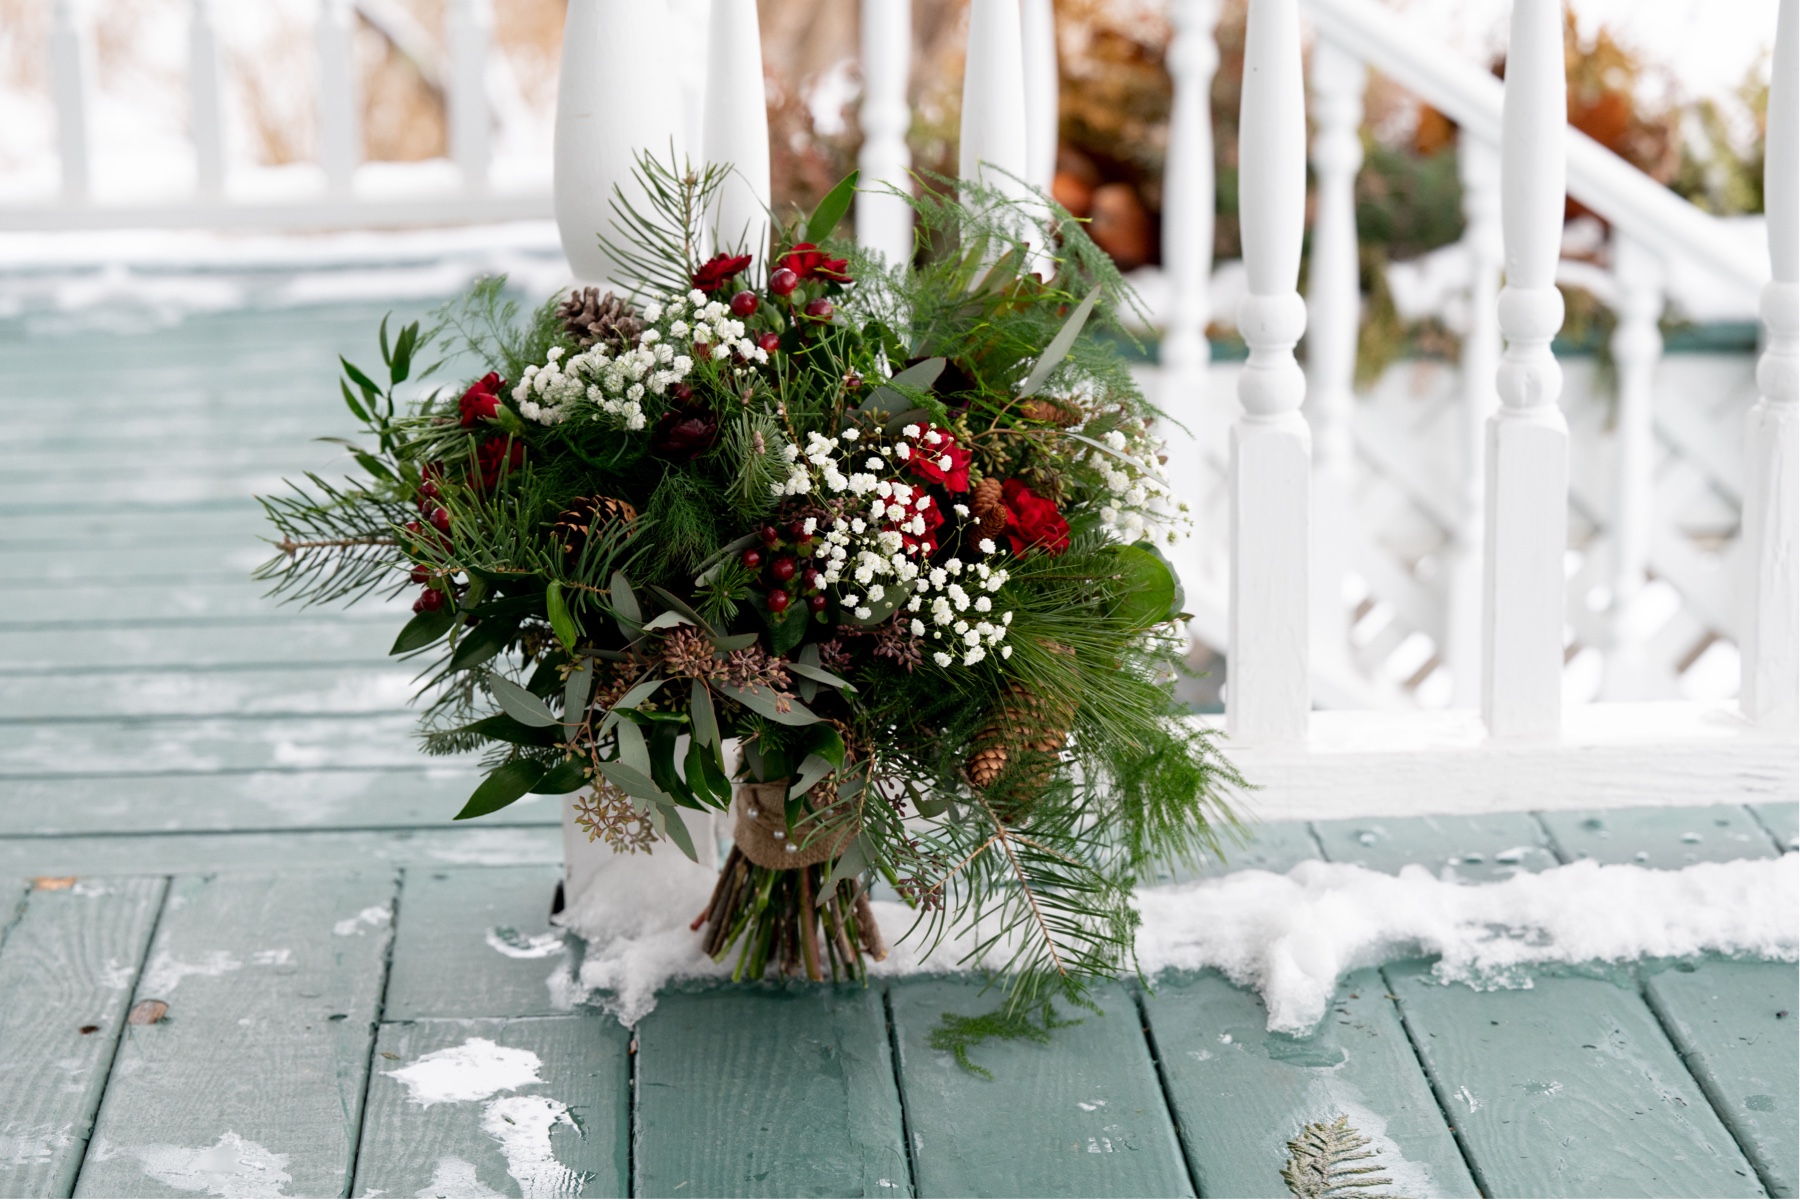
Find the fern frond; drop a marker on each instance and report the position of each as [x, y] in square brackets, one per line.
[1320, 1162]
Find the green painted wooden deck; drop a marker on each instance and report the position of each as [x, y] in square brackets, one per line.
[214, 803]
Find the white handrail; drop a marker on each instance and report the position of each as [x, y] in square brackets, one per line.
[1597, 177]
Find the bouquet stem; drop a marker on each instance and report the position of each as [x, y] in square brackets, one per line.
[777, 919]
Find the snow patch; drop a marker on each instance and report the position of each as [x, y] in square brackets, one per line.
[230, 1166]
[456, 1177]
[32, 1145]
[522, 1125]
[165, 972]
[375, 916]
[510, 942]
[474, 1070]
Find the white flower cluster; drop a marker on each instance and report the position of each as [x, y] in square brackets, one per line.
[1140, 497]
[867, 554]
[615, 384]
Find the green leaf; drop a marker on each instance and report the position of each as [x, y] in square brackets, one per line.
[888, 399]
[702, 715]
[828, 744]
[567, 632]
[359, 379]
[520, 704]
[502, 728]
[1002, 273]
[482, 643]
[386, 357]
[785, 632]
[569, 775]
[666, 620]
[403, 348]
[676, 830]
[624, 601]
[928, 804]
[831, 210]
[1059, 346]
[711, 773]
[679, 605]
[577, 690]
[712, 566]
[852, 862]
[423, 630]
[356, 407]
[505, 784]
[762, 702]
[1146, 588]
[374, 466]
[639, 693]
[821, 675]
[891, 598]
[737, 641]
[634, 751]
[634, 782]
[813, 769]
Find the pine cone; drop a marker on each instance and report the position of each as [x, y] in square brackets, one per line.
[590, 317]
[984, 766]
[1063, 413]
[589, 515]
[1029, 732]
[986, 507]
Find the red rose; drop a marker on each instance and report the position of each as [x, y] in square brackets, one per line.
[684, 432]
[809, 262]
[1031, 520]
[718, 270]
[482, 401]
[932, 518]
[493, 458]
[944, 462]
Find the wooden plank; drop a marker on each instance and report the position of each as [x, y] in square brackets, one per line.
[1782, 821]
[1666, 838]
[253, 1082]
[1080, 1116]
[1274, 846]
[12, 905]
[477, 942]
[192, 745]
[126, 527]
[315, 688]
[566, 1132]
[66, 974]
[1734, 1024]
[261, 800]
[84, 604]
[1240, 1093]
[1567, 1088]
[488, 842]
[225, 643]
[1465, 849]
[767, 1091]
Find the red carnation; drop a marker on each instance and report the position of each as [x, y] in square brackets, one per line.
[809, 262]
[493, 458]
[930, 515]
[482, 401]
[718, 271]
[1031, 520]
[944, 462]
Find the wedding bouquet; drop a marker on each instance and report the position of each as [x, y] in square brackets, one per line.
[866, 554]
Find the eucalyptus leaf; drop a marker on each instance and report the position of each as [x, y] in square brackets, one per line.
[699, 780]
[518, 703]
[570, 775]
[666, 620]
[702, 716]
[483, 642]
[736, 641]
[888, 399]
[676, 830]
[821, 675]
[577, 690]
[762, 702]
[678, 605]
[813, 769]
[634, 783]
[503, 785]
[639, 693]
[423, 630]
[624, 600]
[1059, 346]
[850, 864]
[634, 751]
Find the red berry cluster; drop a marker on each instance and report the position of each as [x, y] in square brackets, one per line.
[434, 523]
[782, 568]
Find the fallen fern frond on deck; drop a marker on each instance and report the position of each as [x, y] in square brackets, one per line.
[1321, 1162]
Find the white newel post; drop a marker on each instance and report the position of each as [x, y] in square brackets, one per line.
[1528, 439]
[1637, 347]
[1770, 687]
[1334, 313]
[1478, 168]
[1037, 31]
[992, 144]
[736, 128]
[339, 129]
[68, 91]
[1188, 203]
[612, 103]
[1267, 696]
[470, 29]
[883, 221]
[204, 117]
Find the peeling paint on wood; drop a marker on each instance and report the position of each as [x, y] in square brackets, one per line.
[477, 942]
[1465, 849]
[1667, 838]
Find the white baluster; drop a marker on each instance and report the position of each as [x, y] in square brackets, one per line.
[1528, 439]
[1770, 688]
[1189, 200]
[204, 116]
[470, 30]
[611, 104]
[340, 148]
[737, 127]
[693, 18]
[884, 221]
[1267, 696]
[1334, 312]
[1037, 27]
[1637, 347]
[995, 134]
[1478, 165]
[68, 90]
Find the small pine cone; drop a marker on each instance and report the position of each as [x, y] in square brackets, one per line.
[986, 507]
[590, 317]
[984, 766]
[1062, 413]
[589, 515]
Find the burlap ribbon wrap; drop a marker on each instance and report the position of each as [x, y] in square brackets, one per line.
[762, 835]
